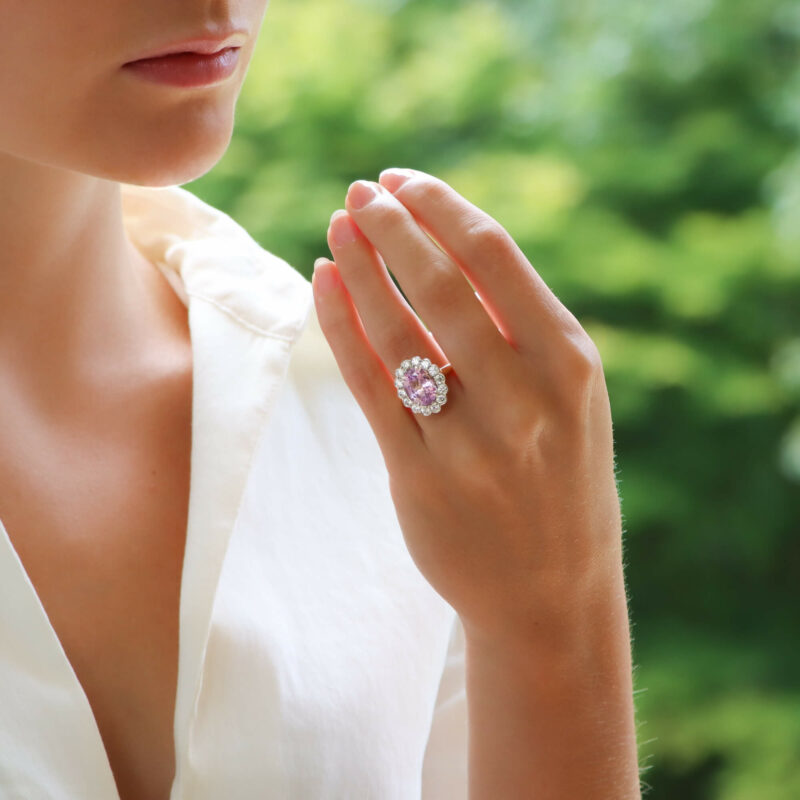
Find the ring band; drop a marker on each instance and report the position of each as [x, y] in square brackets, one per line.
[421, 385]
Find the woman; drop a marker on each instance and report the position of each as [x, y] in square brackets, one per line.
[232, 562]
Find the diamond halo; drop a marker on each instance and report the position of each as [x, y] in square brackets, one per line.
[421, 385]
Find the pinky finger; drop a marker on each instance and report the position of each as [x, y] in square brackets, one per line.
[365, 374]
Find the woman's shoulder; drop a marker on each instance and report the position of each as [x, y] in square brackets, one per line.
[213, 261]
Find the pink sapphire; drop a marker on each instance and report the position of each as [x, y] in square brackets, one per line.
[419, 386]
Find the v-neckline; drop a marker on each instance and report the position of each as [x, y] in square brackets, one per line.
[173, 279]
[55, 645]
[247, 308]
[237, 374]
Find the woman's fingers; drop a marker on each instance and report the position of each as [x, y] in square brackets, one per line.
[435, 286]
[521, 304]
[394, 329]
[362, 369]
[391, 325]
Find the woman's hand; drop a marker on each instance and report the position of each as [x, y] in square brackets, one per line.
[507, 496]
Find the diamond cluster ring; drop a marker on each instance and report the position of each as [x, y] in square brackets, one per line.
[421, 385]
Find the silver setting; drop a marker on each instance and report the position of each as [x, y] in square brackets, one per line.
[436, 375]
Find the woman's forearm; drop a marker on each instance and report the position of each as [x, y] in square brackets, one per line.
[551, 715]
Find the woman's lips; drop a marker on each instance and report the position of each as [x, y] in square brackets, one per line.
[187, 69]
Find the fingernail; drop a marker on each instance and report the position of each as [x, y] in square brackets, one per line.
[343, 230]
[326, 277]
[394, 177]
[359, 194]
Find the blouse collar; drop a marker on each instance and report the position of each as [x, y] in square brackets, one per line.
[247, 308]
[216, 259]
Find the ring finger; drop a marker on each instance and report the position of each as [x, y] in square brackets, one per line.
[395, 330]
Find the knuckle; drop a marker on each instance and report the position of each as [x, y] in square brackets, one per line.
[393, 216]
[584, 356]
[576, 349]
[435, 189]
[436, 284]
[488, 241]
[581, 369]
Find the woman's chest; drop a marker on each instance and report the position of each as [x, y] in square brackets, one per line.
[310, 645]
[96, 512]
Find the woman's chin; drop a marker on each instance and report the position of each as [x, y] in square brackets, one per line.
[167, 175]
[167, 162]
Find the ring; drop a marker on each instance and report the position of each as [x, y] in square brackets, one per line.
[421, 385]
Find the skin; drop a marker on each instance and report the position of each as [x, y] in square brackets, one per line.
[507, 496]
[95, 354]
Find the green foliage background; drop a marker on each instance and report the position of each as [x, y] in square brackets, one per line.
[646, 157]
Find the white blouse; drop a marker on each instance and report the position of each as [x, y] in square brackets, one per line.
[315, 659]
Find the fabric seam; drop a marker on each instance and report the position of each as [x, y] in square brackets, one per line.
[242, 321]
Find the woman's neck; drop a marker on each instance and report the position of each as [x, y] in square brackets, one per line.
[77, 299]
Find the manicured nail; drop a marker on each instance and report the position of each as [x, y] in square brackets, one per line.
[360, 193]
[394, 177]
[343, 230]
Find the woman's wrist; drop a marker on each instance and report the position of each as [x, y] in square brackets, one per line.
[557, 610]
[551, 713]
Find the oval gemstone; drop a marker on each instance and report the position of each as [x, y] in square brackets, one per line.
[419, 386]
